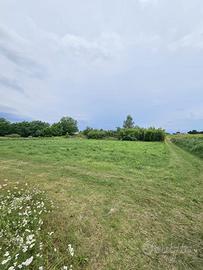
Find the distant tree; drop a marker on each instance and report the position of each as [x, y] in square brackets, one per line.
[128, 123]
[87, 130]
[5, 127]
[22, 128]
[37, 128]
[68, 125]
[193, 132]
[55, 130]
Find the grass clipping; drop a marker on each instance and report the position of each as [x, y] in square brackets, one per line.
[25, 240]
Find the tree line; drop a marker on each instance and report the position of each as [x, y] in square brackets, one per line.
[194, 131]
[67, 126]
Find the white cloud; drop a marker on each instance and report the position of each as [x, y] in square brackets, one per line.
[190, 41]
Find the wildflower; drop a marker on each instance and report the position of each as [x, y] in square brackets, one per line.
[6, 254]
[25, 248]
[11, 268]
[41, 268]
[6, 260]
[71, 250]
[65, 267]
[28, 261]
[16, 256]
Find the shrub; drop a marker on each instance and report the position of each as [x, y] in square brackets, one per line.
[141, 134]
[91, 133]
[87, 130]
[96, 134]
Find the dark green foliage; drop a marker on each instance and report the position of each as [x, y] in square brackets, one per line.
[91, 133]
[54, 130]
[127, 134]
[141, 134]
[96, 134]
[38, 128]
[5, 127]
[87, 130]
[195, 132]
[68, 125]
[26, 129]
[128, 123]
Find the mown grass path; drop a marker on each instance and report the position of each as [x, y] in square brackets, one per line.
[123, 205]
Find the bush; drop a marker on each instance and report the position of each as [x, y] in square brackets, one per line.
[141, 134]
[96, 134]
[87, 130]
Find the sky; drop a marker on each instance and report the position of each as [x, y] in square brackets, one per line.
[99, 60]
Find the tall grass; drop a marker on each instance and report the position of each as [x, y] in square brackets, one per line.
[191, 143]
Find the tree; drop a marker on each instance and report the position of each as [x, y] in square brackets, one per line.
[37, 128]
[128, 123]
[5, 127]
[87, 130]
[55, 130]
[68, 125]
[22, 128]
[194, 131]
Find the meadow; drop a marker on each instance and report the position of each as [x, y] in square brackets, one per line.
[108, 204]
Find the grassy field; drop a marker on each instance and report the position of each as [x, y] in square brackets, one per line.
[122, 205]
[191, 143]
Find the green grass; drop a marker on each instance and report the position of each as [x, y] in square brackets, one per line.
[122, 205]
[191, 143]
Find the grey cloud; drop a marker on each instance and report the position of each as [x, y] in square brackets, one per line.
[7, 109]
[10, 83]
[18, 50]
[26, 63]
[7, 35]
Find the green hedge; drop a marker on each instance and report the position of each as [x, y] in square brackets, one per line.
[128, 134]
[141, 134]
[96, 134]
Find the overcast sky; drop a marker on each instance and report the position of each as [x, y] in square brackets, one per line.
[98, 60]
